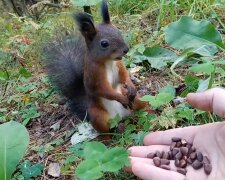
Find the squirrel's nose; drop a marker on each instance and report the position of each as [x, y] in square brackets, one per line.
[125, 50]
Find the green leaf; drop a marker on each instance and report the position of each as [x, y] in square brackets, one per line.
[70, 159]
[3, 75]
[166, 119]
[85, 2]
[207, 68]
[164, 97]
[185, 112]
[14, 140]
[24, 73]
[28, 114]
[168, 89]
[78, 149]
[28, 170]
[205, 50]
[203, 85]
[139, 138]
[114, 159]
[115, 121]
[191, 84]
[158, 100]
[4, 56]
[159, 57]
[140, 48]
[89, 169]
[94, 150]
[188, 33]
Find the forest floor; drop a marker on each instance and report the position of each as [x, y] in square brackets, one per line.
[27, 96]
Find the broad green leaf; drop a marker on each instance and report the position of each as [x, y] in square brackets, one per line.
[24, 73]
[164, 97]
[114, 159]
[14, 140]
[141, 48]
[158, 100]
[78, 149]
[185, 112]
[89, 169]
[28, 114]
[207, 68]
[28, 170]
[94, 150]
[3, 75]
[85, 2]
[137, 49]
[168, 89]
[203, 85]
[147, 98]
[159, 57]
[191, 85]
[206, 50]
[188, 33]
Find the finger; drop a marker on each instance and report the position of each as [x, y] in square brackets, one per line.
[149, 172]
[202, 100]
[210, 100]
[143, 151]
[164, 137]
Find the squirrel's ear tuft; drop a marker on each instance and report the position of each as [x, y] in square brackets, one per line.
[105, 12]
[86, 25]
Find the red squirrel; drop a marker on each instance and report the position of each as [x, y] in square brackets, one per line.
[89, 71]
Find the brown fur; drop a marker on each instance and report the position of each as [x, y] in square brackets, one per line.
[99, 65]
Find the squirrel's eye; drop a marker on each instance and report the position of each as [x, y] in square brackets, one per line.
[104, 43]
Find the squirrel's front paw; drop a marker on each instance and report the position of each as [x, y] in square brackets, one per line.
[131, 92]
[128, 106]
[126, 103]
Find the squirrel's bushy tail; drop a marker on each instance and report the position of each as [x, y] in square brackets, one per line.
[63, 58]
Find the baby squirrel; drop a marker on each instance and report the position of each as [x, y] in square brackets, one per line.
[89, 71]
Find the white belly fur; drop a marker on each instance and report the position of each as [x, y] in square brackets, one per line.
[114, 107]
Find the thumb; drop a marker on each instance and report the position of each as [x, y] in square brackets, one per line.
[212, 100]
[202, 100]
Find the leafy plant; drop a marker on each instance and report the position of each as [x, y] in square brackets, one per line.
[139, 137]
[85, 2]
[164, 96]
[115, 121]
[158, 57]
[14, 140]
[188, 33]
[30, 171]
[195, 37]
[99, 159]
[29, 113]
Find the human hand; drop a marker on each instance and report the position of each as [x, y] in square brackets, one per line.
[208, 139]
[211, 100]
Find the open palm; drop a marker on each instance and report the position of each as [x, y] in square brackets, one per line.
[209, 139]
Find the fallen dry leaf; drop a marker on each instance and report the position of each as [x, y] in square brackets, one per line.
[54, 169]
